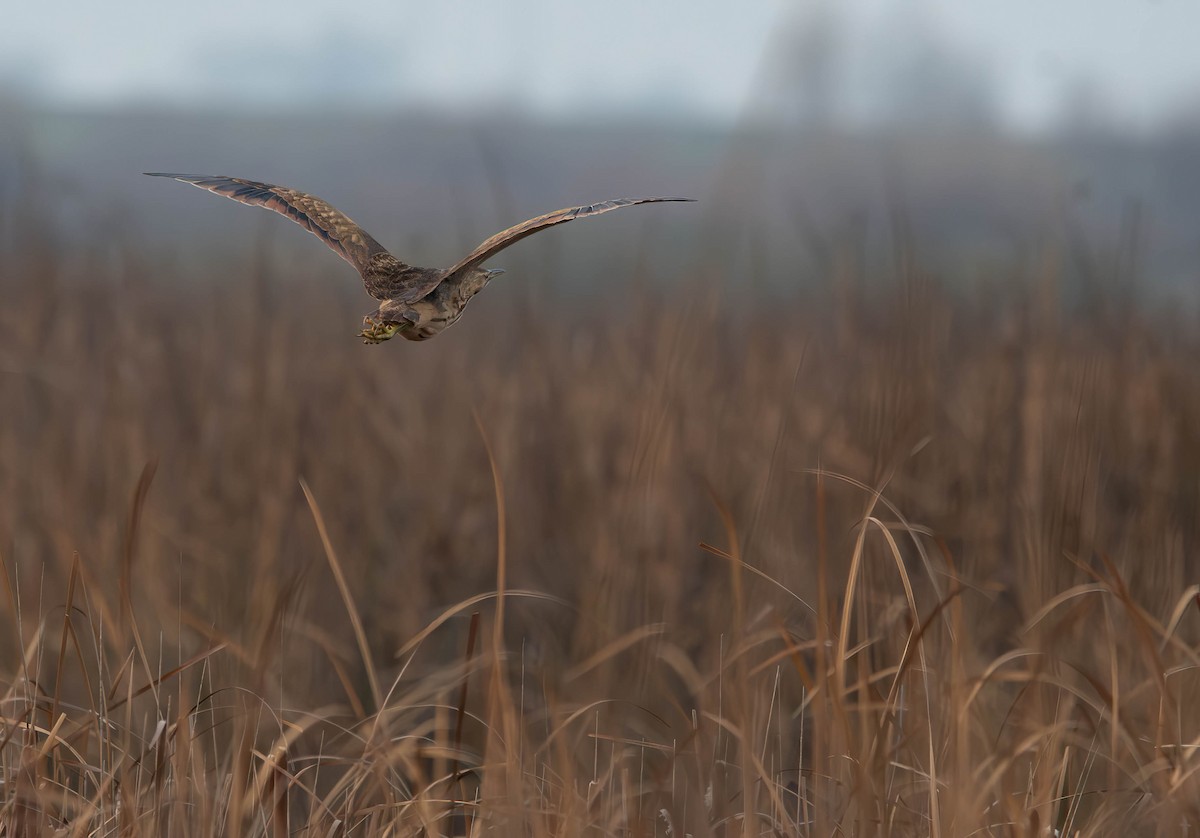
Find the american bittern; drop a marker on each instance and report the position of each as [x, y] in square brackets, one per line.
[415, 303]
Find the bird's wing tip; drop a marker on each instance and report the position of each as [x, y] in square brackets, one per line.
[177, 175]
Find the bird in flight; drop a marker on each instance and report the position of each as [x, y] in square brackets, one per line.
[415, 303]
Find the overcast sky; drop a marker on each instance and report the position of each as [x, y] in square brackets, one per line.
[708, 58]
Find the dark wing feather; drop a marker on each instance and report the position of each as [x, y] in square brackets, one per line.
[527, 228]
[343, 236]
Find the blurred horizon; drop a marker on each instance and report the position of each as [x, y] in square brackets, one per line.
[1026, 68]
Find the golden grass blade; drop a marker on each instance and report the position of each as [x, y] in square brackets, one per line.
[199, 657]
[466, 605]
[335, 566]
[613, 649]
[501, 726]
[66, 633]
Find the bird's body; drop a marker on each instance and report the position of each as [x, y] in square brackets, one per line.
[415, 303]
[432, 313]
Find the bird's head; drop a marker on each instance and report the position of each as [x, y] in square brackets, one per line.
[479, 277]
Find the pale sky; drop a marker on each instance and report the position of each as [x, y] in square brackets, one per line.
[700, 57]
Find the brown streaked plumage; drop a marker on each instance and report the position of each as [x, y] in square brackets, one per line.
[415, 303]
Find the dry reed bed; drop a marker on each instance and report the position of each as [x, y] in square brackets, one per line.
[870, 559]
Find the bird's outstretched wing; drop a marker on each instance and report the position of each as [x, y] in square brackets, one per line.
[343, 236]
[527, 228]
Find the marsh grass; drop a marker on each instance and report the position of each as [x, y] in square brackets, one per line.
[870, 558]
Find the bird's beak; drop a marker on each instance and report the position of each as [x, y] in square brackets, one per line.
[492, 274]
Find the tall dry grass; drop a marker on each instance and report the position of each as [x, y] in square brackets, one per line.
[872, 557]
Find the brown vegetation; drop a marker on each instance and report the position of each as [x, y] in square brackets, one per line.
[873, 558]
